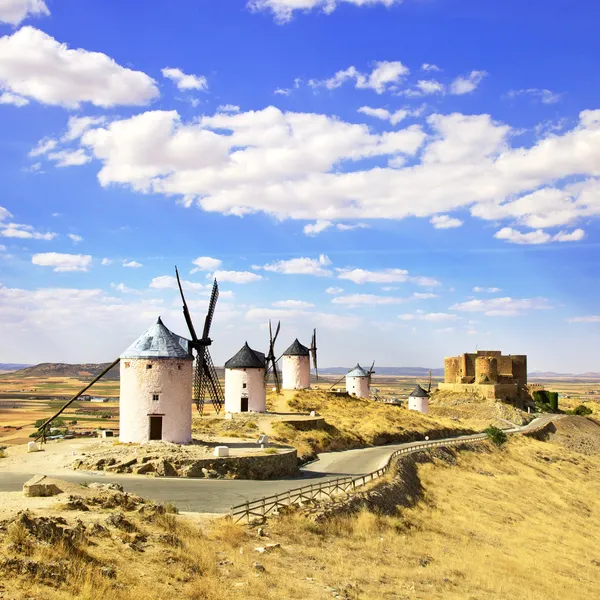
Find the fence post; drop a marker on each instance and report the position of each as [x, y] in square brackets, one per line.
[264, 508]
[248, 511]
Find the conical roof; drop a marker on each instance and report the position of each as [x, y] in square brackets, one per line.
[419, 392]
[296, 349]
[246, 358]
[158, 342]
[358, 371]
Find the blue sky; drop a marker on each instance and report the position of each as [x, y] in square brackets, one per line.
[415, 179]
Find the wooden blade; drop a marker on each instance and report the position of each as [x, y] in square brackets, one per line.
[371, 369]
[276, 331]
[186, 312]
[277, 386]
[338, 381]
[41, 432]
[313, 351]
[211, 310]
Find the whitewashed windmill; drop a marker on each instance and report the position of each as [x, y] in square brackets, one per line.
[245, 389]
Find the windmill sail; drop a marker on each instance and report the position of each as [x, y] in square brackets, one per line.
[207, 386]
[271, 362]
[313, 352]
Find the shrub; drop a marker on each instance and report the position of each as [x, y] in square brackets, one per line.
[546, 401]
[581, 410]
[496, 435]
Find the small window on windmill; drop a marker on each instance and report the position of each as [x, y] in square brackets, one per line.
[179, 367]
[244, 385]
[155, 397]
[148, 366]
[127, 365]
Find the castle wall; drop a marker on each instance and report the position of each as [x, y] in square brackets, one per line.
[358, 386]
[451, 369]
[171, 380]
[499, 391]
[296, 372]
[486, 369]
[519, 362]
[245, 383]
[505, 366]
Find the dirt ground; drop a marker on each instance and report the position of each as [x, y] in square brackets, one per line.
[580, 434]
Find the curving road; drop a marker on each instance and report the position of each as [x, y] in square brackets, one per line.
[218, 495]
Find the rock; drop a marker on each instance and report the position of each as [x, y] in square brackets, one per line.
[193, 470]
[109, 572]
[258, 567]
[270, 547]
[144, 468]
[164, 468]
[221, 451]
[75, 503]
[260, 550]
[224, 563]
[260, 532]
[120, 522]
[96, 485]
[38, 486]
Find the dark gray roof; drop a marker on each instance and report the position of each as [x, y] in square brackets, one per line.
[246, 358]
[358, 371]
[419, 392]
[296, 349]
[158, 342]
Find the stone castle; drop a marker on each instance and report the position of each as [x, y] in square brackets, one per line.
[489, 373]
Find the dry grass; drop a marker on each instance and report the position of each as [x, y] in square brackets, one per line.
[359, 422]
[520, 523]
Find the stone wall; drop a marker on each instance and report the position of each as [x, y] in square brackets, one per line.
[262, 466]
[499, 391]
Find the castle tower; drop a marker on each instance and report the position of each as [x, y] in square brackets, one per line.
[357, 382]
[419, 400]
[156, 388]
[296, 367]
[245, 389]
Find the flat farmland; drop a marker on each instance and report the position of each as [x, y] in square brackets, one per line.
[25, 400]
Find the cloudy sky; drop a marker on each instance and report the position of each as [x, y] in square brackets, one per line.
[414, 178]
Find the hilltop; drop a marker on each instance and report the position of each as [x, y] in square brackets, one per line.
[77, 371]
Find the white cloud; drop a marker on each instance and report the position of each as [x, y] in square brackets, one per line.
[70, 158]
[62, 262]
[429, 67]
[282, 92]
[168, 282]
[75, 238]
[25, 232]
[384, 75]
[502, 307]
[329, 321]
[106, 261]
[538, 236]
[428, 87]
[42, 147]
[236, 276]
[4, 214]
[487, 290]
[14, 12]
[301, 266]
[183, 81]
[424, 296]
[300, 304]
[206, 263]
[229, 108]
[121, 287]
[445, 222]
[466, 85]
[283, 10]
[77, 126]
[362, 276]
[385, 115]
[544, 96]
[423, 316]
[313, 229]
[366, 299]
[132, 264]
[287, 165]
[334, 290]
[14, 99]
[35, 65]
[587, 319]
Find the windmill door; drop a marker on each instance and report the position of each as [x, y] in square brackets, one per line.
[244, 406]
[156, 428]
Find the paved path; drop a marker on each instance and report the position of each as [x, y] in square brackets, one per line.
[218, 495]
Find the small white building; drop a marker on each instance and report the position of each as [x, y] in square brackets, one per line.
[245, 388]
[296, 367]
[419, 400]
[357, 382]
[156, 388]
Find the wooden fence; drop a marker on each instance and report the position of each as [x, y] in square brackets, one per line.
[263, 507]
